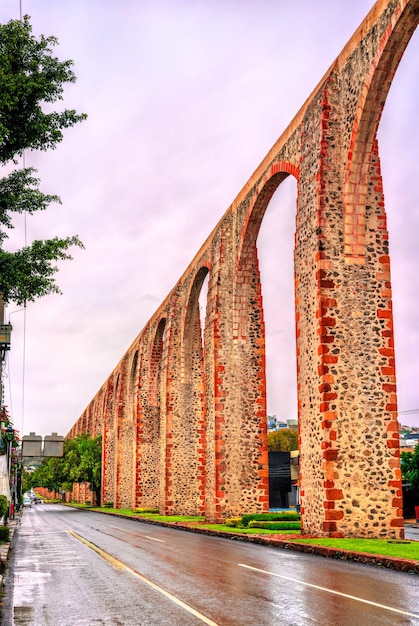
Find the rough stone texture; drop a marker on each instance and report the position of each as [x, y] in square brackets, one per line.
[184, 419]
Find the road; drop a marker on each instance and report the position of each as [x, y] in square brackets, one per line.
[78, 568]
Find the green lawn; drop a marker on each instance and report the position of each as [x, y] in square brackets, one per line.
[383, 547]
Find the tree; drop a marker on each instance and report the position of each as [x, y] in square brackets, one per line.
[49, 474]
[410, 467]
[81, 463]
[283, 440]
[31, 81]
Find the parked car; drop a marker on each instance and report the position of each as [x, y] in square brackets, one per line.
[27, 501]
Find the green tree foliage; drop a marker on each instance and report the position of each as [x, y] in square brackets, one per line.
[81, 463]
[49, 474]
[410, 467]
[31, 81]
[283, 440]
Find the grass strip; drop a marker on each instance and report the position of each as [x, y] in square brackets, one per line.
[382, 547]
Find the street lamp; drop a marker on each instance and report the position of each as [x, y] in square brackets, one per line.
[5, 336]
[9, 436]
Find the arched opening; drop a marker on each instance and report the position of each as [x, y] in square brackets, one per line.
[133, 377]
[362, 159]
[275, 244]
[399, 150]
[148, 436]
[203, 296]
[109, 439]
[156, 360]
[251, 383]
[188, 450]
[193, 332]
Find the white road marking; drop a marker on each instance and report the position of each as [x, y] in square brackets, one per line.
[154, 539]
[336, 593]
[122, 566]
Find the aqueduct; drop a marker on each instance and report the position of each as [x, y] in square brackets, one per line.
[183, 419]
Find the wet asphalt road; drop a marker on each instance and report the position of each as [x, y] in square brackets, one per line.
[61, 573]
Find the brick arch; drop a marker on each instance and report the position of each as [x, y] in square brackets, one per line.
[247, 261]
[247, 385]
[133, 375]
[362, 162]
[116, 407]
[125, 428]
[149, 411]
[192, 348]
[186, 424]
[156, 360]
[109, 442]
[147, 430]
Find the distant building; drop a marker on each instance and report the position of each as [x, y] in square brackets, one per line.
[275, 424]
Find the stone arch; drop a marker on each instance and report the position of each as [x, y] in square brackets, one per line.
[247, 262]
[133, 377]
[362, 171]
[125, 426]
[245, 467]
[139, 410]
[192, 348]
[156, 360]
[110, 441]
[187, 425]
[149, 432]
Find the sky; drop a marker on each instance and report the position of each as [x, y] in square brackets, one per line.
[184, 99]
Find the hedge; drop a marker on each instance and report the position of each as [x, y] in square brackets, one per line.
[275, 525]
[270, 517]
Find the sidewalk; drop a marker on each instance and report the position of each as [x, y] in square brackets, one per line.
[5, 547]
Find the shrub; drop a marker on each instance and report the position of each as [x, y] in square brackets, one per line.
[275, 525]
[4, 534]
[270, 517]
[233, 522]
[4, 505]
[108, 505]
[88, 502]
[154, 511]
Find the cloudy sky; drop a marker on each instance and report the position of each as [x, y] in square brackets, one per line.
[185, 98]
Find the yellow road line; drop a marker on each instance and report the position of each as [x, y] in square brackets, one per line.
[117, 564]
[336, 593]
[114, 562]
